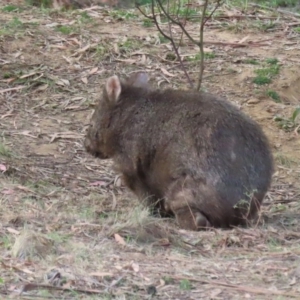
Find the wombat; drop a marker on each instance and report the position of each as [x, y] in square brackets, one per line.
[185, 153]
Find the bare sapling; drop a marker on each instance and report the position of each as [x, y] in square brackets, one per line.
[176, 17]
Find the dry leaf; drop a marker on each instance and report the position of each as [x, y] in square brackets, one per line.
[129, 61]
[116, 48]
[9, 80]
[243, 39]
[11, 230]
[82, 50]
[3, 168]
[119, 239]
[25, 270]
[42, 87]
[135, 267]
[100, 274]
[215, 293]
[63, 82]
[75, 41]
[93, 71]
[293, 281]
[165, 72]
[84, 80]
[52, 24]
[7, 192]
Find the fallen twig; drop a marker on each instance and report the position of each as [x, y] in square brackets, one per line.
[13, 89]
[34, 286]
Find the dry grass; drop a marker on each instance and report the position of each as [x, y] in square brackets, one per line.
[69, 229]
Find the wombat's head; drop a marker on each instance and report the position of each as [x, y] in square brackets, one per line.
[100, 140]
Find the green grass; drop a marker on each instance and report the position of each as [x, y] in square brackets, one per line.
[144, 2]
[272, 61]
[274, 95]
[4, 151]
[10, 8]
[15, 23]
[185, 285]
[263, 25]
[5, 241]
[58, 238]
[101, 51]
[209, 55]
[251, 61]
[168, 280]
[42, 3]
[129, 45]
[261, 80]
[283, 160]
[288, 124]
[122, 14]
[266, 3]
[265, 75]
[268, 72]
[14, 26]
[171, 56]
[197, 57]
[274, 244]
[65, 29]
[162, 39]
[148, 23]
[85, 18]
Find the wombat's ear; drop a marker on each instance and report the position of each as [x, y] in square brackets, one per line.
[113, 89]
[139, 79]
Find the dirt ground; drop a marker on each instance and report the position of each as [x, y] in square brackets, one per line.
[69, 229]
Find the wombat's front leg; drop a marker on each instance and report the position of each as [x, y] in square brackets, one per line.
[144, 194]
[136, 186]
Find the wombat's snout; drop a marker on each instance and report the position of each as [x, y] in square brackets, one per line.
[91, 148]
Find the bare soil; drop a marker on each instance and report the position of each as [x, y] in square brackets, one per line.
[69, 229]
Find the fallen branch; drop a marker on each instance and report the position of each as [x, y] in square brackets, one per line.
[235, 45]
[236, 287]
[284, 12]
[35, 286]
[243, 17]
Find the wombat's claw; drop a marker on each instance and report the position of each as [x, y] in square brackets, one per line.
[201, 221]
[192, 220]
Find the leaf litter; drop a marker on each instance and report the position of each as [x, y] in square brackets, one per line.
[67, 222]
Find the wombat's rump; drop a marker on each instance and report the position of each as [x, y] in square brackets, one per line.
[186, 153]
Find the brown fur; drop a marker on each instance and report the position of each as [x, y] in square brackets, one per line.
[185, 153]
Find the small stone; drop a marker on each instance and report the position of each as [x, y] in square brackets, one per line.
[151, 290]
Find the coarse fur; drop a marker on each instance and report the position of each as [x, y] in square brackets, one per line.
[185, 153]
